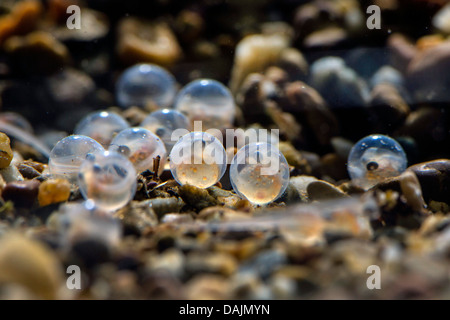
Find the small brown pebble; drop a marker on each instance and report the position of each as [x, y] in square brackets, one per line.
[6, 153]
[53, 191]
[142, 41]
[22, 193]
[21, 20]
[38, 52]
[31, 265]
[28, 172]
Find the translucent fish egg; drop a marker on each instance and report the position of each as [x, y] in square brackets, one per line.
[208, 101]
[198, 159]
[142, 84]
[101, 126]
[164, 122]
[140, 146]
[259, 172]
[108, 179]
[68, 154]
[375, 158]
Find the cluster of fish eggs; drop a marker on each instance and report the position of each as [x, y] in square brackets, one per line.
[105, 154]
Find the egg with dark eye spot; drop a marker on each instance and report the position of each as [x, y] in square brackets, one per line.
[164, 124]
[108, 180]
[141, 147]
[374, 159]
[259, 173]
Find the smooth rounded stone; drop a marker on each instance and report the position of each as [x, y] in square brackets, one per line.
[147, 41]
[248, 286]
[283, 287]
[228, 198]
[219, 214]
[171, 260]
[301, 183]
[11, 174]
[294, 63]
[425, 78]
[176, 218]
[365, 61]
[17, 120]
[53, 191]
[294, 157]
[334, 167]
[250, 98]
[253, 54]
[327, 38]
[339, 85]
[162, 206]
[341, 146]
[22, 193]
[387, 107]
[264, 263]
[212, 263]
[6, 153]
[390, 75]
[434, 177]
[89, 253]
[307, 105]
[49, 55]
[208, 287]
[322, 190]
[31, 265]
[289, 196]
[401, 51]
[441, 19]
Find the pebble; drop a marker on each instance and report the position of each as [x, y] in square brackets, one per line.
[144, 41]
[10, 174]
[212, 263]
[197, 198]
[22, 19]
[253, 54]
[434, 177]
[208, 287]
[138, 216]
[31, 265]
[387, 108]
[339, 84]
[53, 191]
[401, 51]
[441, 19]
[425, 78]
[47, 53]
[171, 261]
[322, 190]
[6, 153]
[307, 105]
[22, 193]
